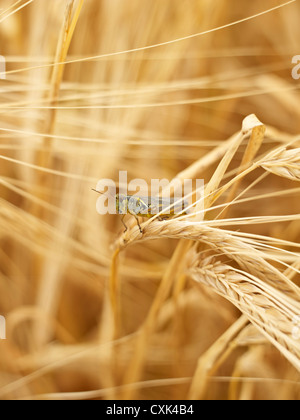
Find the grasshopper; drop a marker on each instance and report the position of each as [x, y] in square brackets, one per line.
[147, 207]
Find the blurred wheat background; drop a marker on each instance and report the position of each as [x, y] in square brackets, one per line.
[195, 308]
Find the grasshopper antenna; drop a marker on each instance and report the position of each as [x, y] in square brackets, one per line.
[99, 192]
[107, 193]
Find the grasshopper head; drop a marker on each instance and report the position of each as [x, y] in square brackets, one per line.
[121, 203]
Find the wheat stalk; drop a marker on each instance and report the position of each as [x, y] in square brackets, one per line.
[264, 306]
[284, 163]
[222, 241]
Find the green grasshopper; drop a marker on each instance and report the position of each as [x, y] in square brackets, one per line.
[147, 207]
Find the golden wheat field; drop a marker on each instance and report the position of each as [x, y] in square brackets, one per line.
[196, 307]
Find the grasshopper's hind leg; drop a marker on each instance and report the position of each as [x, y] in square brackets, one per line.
[138, 223]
